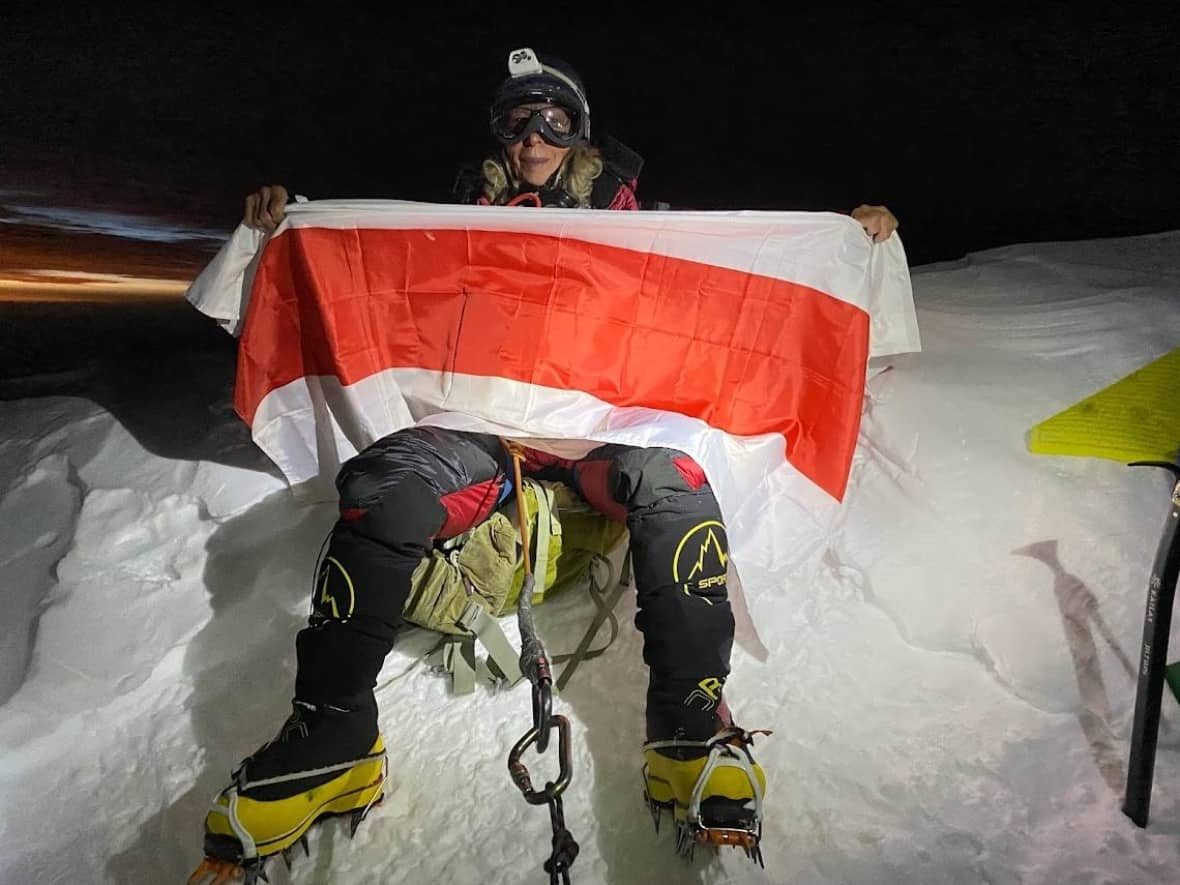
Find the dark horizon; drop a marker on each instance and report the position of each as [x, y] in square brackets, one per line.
[976, 133]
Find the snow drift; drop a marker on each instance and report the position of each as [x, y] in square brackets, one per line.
[948, 665]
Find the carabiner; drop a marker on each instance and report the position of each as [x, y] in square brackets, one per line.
[520, 772]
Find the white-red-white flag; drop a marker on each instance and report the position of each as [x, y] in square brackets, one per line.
[741, 338]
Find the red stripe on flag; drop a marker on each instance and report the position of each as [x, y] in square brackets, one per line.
[748, 354]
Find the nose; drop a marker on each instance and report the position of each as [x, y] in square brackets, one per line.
[533, 139]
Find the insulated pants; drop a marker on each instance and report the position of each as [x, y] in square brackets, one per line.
[423, 484]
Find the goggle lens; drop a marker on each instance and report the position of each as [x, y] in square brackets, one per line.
[556, 124]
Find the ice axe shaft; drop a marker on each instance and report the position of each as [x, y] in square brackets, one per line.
[1153, 659]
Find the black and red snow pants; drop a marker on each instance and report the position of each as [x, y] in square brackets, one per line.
[423, 484]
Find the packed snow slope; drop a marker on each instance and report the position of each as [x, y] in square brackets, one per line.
[948, 671]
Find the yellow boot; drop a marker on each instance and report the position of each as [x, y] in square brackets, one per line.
[714, 789]
[282, 790]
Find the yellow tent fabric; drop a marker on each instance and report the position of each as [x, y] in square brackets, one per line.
[1135, 419]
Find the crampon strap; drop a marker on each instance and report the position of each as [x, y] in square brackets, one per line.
[726, 749]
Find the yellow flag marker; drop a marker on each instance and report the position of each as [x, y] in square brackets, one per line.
[1135, 419]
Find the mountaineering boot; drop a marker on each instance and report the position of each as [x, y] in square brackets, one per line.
[713, 787]
[324, 761]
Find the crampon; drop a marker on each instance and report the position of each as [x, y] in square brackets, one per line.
[713, 788]
[224, 863]
[242, 834]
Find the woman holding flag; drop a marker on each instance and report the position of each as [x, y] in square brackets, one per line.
[422, 485]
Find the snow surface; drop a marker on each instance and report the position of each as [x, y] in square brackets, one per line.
[949, 671]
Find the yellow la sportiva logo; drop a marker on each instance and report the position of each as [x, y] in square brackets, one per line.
[702, 558]
[331, 601]
[706, 694]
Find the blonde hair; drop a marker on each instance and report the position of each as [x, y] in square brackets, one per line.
[576, 175]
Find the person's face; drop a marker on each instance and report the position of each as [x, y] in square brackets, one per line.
[534, 159]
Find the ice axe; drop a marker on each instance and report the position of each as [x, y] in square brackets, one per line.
[1157, 622]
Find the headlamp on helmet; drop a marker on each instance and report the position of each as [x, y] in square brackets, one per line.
[548, 99]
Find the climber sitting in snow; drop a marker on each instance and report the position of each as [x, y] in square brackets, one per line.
[422, 485]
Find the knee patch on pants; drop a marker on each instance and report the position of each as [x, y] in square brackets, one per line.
[360, 590]
[680, 542]
[361, 578]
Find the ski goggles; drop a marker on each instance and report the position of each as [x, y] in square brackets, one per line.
[558, 125]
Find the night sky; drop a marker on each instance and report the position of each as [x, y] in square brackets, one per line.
[978, 127]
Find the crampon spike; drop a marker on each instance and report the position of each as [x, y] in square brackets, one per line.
[355, 818]
[755, 854]
[655, 810]
[689, 835]
[224, 871]
[354, 821]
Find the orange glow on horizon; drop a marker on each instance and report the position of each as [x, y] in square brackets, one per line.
[75, 285]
